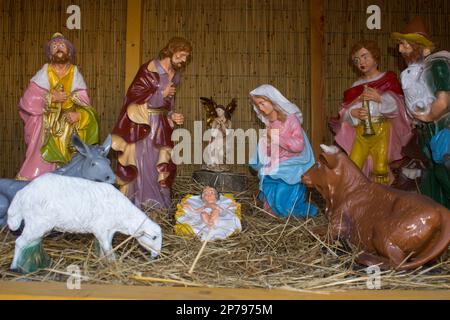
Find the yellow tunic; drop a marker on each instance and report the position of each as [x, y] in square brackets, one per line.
[57, 146]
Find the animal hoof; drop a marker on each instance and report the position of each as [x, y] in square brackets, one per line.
[367, 260]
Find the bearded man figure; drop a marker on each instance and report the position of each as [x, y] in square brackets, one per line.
[142, 135]
[54, 107]
[426, 84]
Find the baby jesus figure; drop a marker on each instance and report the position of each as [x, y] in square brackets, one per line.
[209, 215]
[210, 211]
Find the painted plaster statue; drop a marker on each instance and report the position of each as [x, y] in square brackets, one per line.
[219, 119]
[210, 210]
[426, 83]
[393, 228]
[54, 107]
[283, 155]
[210, 215]
[372, 139]
[90, 162]
[75, 205]
[142, 135]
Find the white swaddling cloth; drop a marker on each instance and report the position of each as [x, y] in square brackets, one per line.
[189, 221]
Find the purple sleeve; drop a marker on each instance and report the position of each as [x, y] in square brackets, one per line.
[156, 100]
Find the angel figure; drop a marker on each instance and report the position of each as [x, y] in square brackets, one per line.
[219, 119]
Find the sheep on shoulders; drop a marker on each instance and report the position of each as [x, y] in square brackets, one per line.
[76, 205]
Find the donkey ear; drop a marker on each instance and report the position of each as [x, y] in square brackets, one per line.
[81, 147]
[107, 145]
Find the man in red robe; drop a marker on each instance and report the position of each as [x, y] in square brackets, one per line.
[142, 135]
[391, 125]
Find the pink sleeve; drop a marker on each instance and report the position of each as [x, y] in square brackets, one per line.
[292, 138]
[33, 100]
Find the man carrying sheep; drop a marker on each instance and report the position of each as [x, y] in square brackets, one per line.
[426, 84]
[54, 107]
[142, 135]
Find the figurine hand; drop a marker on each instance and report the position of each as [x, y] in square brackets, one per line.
[72, 117]
[359, 113]
[169, 91]
[178, 118]
[423, 117]
[59, 96]
[205, 217]
[222, 127]
[371, 94]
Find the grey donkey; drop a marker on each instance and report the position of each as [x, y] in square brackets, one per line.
[90, 162]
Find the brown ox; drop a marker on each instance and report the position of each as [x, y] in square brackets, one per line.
[394, 228]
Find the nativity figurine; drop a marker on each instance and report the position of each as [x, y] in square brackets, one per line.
[219, 119]
[393, 228]
[209, 215]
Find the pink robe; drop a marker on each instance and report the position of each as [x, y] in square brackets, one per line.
[291, 142]
[400, 132]
[31, 110]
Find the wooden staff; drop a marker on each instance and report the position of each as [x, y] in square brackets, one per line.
[191, 270]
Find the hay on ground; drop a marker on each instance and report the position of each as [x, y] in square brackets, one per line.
[268, 253]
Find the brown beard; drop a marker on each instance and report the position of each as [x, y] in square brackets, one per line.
[178, 66]
[415, 56]
[60, 60]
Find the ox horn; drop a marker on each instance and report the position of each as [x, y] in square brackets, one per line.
[329, 149]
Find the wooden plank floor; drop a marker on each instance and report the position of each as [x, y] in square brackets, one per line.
[52, 290]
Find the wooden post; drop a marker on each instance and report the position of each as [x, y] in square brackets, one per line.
[318, 115]
[133, 40]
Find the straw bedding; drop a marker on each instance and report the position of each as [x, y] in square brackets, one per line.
[268, 253]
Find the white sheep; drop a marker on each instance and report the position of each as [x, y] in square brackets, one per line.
[77, 205]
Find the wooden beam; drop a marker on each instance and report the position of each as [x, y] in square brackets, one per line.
[58, 290]
[133, 40]
[318, 114]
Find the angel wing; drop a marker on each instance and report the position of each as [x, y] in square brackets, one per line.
[209, 105]
[231, 106]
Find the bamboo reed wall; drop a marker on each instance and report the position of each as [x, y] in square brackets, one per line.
[238, 45]
[25, 28]
[345, 24]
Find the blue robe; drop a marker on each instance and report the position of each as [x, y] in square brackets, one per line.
[282, 187]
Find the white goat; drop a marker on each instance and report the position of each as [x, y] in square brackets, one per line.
[76, 205]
